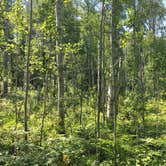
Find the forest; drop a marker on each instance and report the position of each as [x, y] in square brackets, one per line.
[82, 83]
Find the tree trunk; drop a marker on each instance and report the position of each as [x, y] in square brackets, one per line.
[27, 76]
[44, 106]
[5, 58]
[114, 45]
[59, 59]
[100, 71]
[100, 76]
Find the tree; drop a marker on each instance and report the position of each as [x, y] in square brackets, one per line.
[100, 73]
[5, 54]
[27, 75]
[114, 67]
[59, 60]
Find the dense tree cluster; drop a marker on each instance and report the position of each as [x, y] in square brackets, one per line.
[82, 82]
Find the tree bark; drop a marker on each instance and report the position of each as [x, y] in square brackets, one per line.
[44, 106]
[100, 71]
[100, 76]
[27, 76]
[114, 45]
[5, 56]
[59, 59]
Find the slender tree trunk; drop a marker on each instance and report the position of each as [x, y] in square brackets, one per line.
[103, 74]
[100, 78]
[109, 96]
[5, 59]
[92, 72]
[142, 90]
[81, 102]
[100, 71]
[139, 70]
[136, 85]
[15, 102]
[27, 76]
[44, 106]
[114, 45]
[74, 74]
[89, 66]
[59, 56]
[155, 72]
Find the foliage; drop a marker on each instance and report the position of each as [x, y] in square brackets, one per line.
[89, 138]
